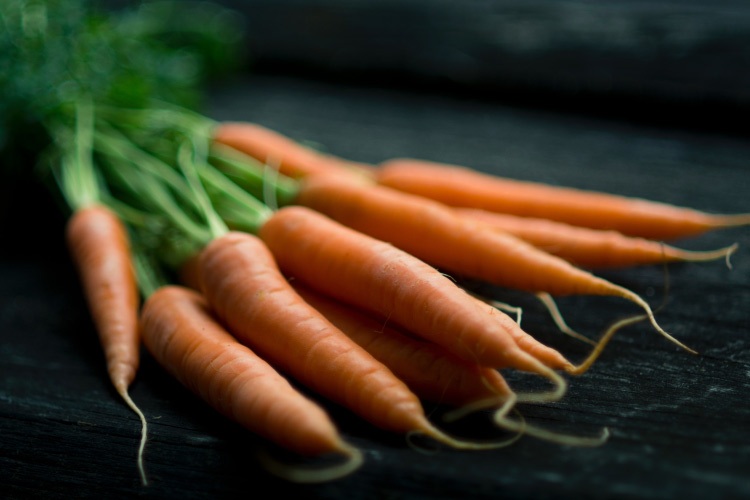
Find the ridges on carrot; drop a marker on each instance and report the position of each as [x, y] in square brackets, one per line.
[289, 156]
[434, 233]
[592, 248]
[431, 229]
[243, 285]
[233, 163]
[100, 247]
[436, 375]
[433, 373]
[464, 187]
[387, 281]
[182, 334]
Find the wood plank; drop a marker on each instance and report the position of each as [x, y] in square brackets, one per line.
[678, 421]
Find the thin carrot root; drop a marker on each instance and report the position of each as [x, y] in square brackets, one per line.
[733, 220]
[708, 255]
[630, 295]
[549, 303]
[558, 391]
[429, 430]
[599, 348]
[509, 309]
[522, 427]
[501, 419]
[310, 474]
[503, 403]
[122, 390]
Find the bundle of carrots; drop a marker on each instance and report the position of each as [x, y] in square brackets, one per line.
[263, 264]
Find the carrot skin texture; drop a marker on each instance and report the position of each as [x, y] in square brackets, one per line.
[436, 234]
[241, 281]
[463, 187]
[185, 338]
[385, 280]
[290, 157]
[431, 372]
[100, 248]
[586, 247]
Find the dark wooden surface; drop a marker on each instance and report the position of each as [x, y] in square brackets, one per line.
[679, 423]
[611, 57]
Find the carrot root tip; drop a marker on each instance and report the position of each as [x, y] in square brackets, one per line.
[557, 317]
[123, 391]
[606, 337]
[522, 427]
[558, 391]
[652, 319]
[729, 252]
[504, 403]
[311, 474]
[432, 432]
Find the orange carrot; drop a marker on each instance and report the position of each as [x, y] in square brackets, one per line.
[437, 235]
[591, 248]
[290, 157]
[433, 373]
[243, 285]
[100, 248]
[385, 280]
[181, 333]
[239, 169]
[464, 187]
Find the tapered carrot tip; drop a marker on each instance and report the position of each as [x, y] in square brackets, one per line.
[599, 348]
[727, 221]
[503, 421]
[351, 460]
[520, 426]
[122, 390]
[707, 255]
[427, 429]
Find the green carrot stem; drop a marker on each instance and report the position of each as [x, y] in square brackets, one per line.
[249, 174]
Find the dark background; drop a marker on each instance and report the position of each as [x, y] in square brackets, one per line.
[639, 98]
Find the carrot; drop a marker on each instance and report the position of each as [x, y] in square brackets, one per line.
[385, 280]
[464, 187]
[288, 156]
[591, 248]
[233, 164]
[243, 285]
[180, 332]
[436, 234]
[100, 248]
[433, 373]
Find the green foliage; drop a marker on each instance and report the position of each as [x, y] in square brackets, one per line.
[52, 52]
[102, 103]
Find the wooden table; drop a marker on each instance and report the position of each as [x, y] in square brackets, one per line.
[679, 422]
